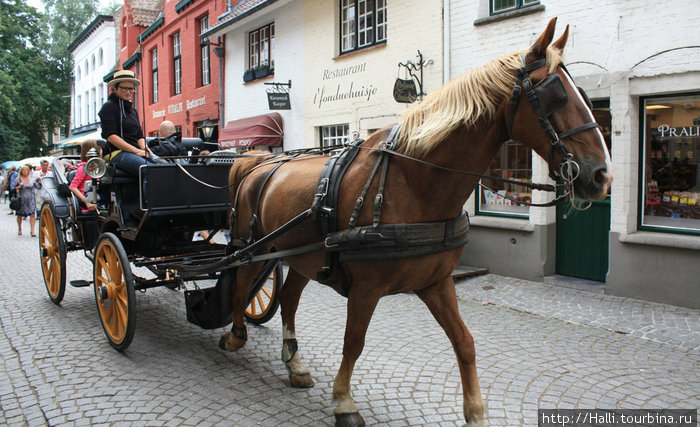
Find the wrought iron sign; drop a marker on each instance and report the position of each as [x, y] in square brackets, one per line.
[405, 90]
[278, 96]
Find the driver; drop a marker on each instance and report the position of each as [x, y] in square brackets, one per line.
[126, 145]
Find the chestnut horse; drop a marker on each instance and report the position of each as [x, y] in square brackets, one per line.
[458, 128]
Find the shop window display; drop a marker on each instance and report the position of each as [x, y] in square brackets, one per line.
[514, 162]
[670, 192]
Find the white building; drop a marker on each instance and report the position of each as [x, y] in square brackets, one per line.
[641, 67]
[341, 58]
[94, 56]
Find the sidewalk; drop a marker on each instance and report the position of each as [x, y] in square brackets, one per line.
[662, 323]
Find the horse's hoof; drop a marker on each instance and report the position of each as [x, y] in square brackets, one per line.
[230, 342]
[349, 420]
[301, 381]
[476, 422]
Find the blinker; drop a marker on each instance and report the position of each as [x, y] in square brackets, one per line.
[551, 95]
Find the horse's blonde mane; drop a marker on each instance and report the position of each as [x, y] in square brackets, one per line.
[462, 101]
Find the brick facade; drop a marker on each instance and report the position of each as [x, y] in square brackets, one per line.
[195, 102]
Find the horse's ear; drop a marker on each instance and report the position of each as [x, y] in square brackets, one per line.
[561, 41]
[539, 48]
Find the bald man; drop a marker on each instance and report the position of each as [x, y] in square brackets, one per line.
[166, 129]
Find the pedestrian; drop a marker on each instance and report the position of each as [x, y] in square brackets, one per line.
[42, 195]
[26, 191]
[77, 186]
[11, 178]
[3, 175]
[126, 145]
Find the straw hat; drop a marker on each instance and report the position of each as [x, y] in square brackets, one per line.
[124, 76]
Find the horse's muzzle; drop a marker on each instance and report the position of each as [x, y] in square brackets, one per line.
[593, 182]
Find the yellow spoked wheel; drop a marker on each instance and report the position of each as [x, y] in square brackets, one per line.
[265, 304]
[52, 252]
[114, 291]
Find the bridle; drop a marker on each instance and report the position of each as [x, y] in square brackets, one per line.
[546, 97]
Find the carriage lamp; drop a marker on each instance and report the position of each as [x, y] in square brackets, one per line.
[95, 167]
[208, 128]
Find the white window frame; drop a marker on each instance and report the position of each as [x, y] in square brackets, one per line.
[205, 55]
[332, 135]
[177, 64]
[363, 23]
[154, 75]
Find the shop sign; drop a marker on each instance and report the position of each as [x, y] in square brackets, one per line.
[342, 91]
[278, 101]
[667, 130]
[175, 108]
[196, 103]
[159, 113]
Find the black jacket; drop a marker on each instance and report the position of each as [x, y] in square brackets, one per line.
[118, 117]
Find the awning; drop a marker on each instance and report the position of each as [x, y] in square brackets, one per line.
[253, 131]
[78, 139]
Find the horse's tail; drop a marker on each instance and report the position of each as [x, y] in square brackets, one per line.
[242, 167]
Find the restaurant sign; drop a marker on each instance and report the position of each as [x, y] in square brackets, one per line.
[278, 101]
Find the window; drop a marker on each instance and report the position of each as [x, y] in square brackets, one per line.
[87, 69]
[93, 62]
[261, 47]
[77, 73]
[177, 65]
[100, 95]
[100, 57]
[93, 98]
[206, 73]
[87, 107]
[78, 112]
[154, 75]
[670, 173]
[334, 135]
[362, 23]
[500, 6]
[513, 161]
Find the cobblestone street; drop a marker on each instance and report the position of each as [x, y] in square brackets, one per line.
[539, 345]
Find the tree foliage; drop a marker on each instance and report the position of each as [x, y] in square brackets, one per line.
[35, 70]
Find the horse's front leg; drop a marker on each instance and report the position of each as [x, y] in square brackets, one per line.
[361, 305]
[289, 296]
[234, 340]
[441, 299]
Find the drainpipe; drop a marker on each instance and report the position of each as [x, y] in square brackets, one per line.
[446, 41]
[219, 51]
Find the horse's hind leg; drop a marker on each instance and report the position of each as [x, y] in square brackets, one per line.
[441, 299]
[361, 305]
[289, 296]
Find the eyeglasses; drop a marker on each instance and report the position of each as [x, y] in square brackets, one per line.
[128, 89]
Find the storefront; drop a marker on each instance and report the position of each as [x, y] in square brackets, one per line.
[643, 241]
[670, 176]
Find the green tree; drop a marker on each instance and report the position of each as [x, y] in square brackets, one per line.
[26, 76]
[35, 70]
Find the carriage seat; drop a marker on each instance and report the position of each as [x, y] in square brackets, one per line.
[117, 176]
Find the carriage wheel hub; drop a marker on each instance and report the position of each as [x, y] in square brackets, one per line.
[102, 293]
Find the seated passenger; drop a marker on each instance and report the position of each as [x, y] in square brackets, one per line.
[77, 186]
[126, 145]
[169, 143]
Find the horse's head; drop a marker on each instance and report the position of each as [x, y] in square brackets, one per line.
[549, 114]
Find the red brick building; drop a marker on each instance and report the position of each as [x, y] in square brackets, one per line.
[179, 73]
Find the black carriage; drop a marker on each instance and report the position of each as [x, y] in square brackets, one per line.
[148, 223]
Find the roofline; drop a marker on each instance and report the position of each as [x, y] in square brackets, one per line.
[219, 27]
[99, 20]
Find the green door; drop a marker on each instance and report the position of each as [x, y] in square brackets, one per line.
[582, 240]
